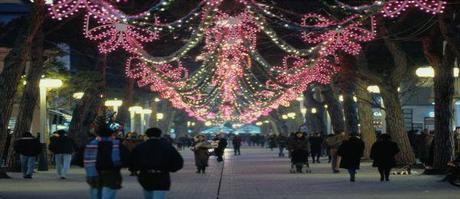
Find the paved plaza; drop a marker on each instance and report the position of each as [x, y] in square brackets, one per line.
[257, 174]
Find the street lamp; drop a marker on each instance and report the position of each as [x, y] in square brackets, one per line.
[132, 114]
[303, 111]
[45, 85]
[115, 103]
[313, 110]
[373, 89]
[208, 123]
[259, 123]
[160, 116]
[428, 71]
[144, 112]
[78, 95]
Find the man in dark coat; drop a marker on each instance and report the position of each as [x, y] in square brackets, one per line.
[383, 153]
[62, 147]
[155, 159]
[350, 153]
[104, 156]
[316, 142]
[28, 148]
[299, 148]
[222, 144]
[282, 142]
[236, 141]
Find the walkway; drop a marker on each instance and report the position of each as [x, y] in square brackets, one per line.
[256, 174]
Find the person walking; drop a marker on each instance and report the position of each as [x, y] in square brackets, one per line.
[282, 142]
[383, 152]
[299, 148]
[423, 145]
[316, 142]
[62, 147]
[103, 158]
[236, 141]
[350, 153]
[28, 148]
[155, 159]
[200, 149]
[130, 142]
[221, 145]
[333, 143]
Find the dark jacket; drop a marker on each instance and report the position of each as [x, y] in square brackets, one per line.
[62, 145]
[351, 152]
[236, 141]
[155, 159]
[28, 146]
[315, 144]
[383, 153]
[300, 148]
[282, 141]
[221, 146]
[104, 156]
[201, 152]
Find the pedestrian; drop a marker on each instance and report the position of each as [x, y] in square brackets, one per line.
[316, 142]
[350, 153]
[272, 141]
[457, 141]
[28, 148]
[236, 141]
[221, 145]
[282, 142]
[333, 143]
[130, 142]
[384, 153]
[423, 145]
[104, 157]
[62, 146]
[155, 159]
[299, 148]
[200, 149]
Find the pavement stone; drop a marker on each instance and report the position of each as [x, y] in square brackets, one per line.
[256, 174]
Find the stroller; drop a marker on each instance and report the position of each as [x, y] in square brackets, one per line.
[299, 159]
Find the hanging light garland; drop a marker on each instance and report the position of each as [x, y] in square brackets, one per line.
[225, 86]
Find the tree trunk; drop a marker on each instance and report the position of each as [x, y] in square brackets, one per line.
[395, 124]
[84, 114]
[15, 63]
[314, 121]
[443, 110]
[350, 113]
[334, 108]
[29, 97]
[365, 113]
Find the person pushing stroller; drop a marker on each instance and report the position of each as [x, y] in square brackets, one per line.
[299, 148]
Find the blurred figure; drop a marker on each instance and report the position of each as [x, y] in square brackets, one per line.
[457, 141]
[299, 148]
[383, 153]
[221, 145]
[236, 141]
[155, 159]
[282, 142]
[316, 142]
[104, 157]
[423, 145]
[350, 153]
[272, 141]
[201, 151]
[28, 149]
[334, 142]
[62, 147]
[130, 142]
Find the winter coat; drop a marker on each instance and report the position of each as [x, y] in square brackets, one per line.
[282, 141]
[299, 148]
[201, 153]
[28, 146]
[351, 152]
[423, 145]
[316, 143]
[222, 144]
[383, 153]
[155, 158]
[104, 156]
[236, 141]
[62, 145]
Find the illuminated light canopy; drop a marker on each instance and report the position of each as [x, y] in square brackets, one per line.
[373, 89]
[428, 71]
[160, 116]
[50, 83]
[135, 109]
[114, 103]
[78, 95]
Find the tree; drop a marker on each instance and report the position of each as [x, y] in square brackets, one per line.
[388, 78]
[334, 108]
[15, 63]
[442, 57]
[365, 114]
[346, 83]
[314, 121]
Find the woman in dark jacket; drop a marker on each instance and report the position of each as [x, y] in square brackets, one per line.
[300, 149]
[350, 153]
[62, 147]
[200, 148]
[383, 153]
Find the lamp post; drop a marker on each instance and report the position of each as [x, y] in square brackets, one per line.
[115, 103]
[143, 113]
[132, 116]
[78, 95]
[45, 85]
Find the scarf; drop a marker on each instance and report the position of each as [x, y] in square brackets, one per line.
[90, 155]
